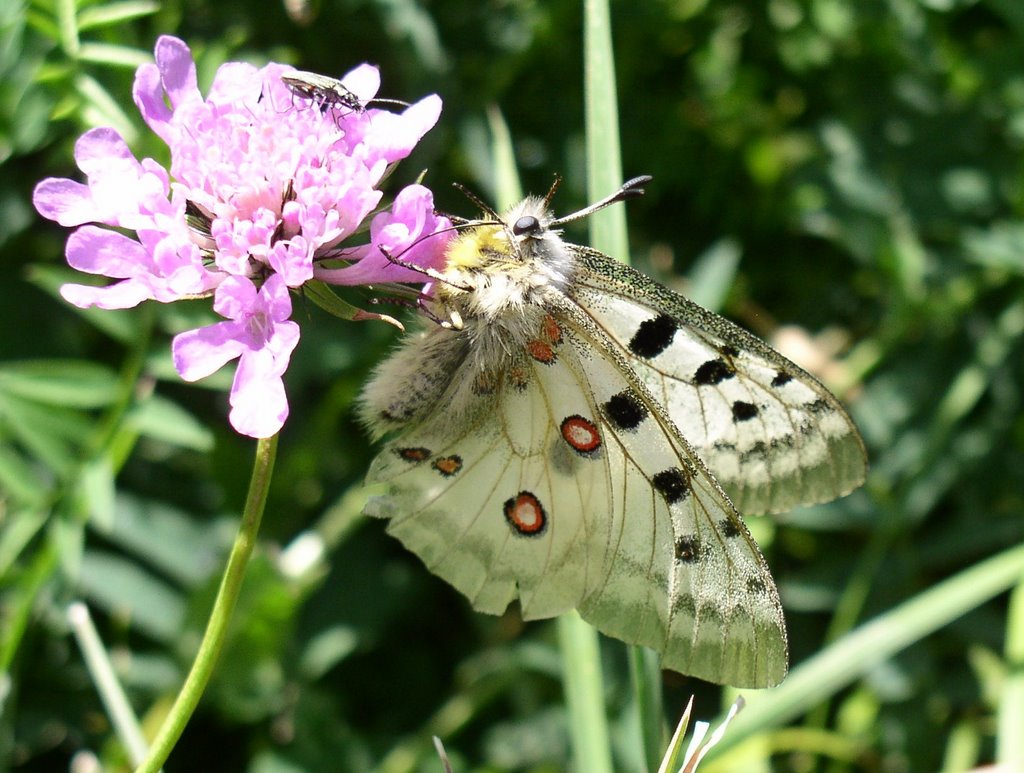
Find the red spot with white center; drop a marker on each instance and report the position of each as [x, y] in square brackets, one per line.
[525, 514]
[581, 434]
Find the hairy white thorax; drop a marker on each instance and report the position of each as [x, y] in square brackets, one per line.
[498, 279]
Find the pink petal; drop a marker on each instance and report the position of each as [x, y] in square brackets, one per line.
[394, 136]
[177, 70]
[120, 295]
[259, 405]
[235, 298]
[283, 343]
[198, 353]
[363, 81]
[410, 232]
[236, 82]
[100, 251]
[98, 148]
[292, 260]
[148, 93]
[278, 300]
[66, 201]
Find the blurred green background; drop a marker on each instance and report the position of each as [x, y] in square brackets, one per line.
[843, 178]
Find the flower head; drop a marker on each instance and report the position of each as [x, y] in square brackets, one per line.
[262, 188]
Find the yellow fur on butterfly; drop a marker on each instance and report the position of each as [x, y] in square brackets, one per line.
[471, 248]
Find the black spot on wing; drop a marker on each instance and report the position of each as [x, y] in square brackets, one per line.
[729, 527]
[713, 372]
[687, 549]
[744, 411]
[672, 484]
[756, 585]
[653, 336]
[625, 410]
[781, 379]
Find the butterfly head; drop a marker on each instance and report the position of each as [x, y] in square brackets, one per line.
[501, 263]
[512, 238]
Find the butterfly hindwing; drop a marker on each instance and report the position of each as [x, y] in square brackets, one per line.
[705, 598]
[773, 436]
[474, 496]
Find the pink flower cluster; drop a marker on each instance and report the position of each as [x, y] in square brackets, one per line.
[262, 188]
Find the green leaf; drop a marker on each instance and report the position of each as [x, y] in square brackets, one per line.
[164, 420]
[20, 526]
[165, 538]
[68, 383]
[113, 55]
[713, 273]
[1010, 741]
[96, 490]
[20, 482]
[115, 13]
[328, 300]
[507, 187]
[604, 153]
[100, 108]
[120, 324]
[584, 693]
[47, 432]
[122, 587]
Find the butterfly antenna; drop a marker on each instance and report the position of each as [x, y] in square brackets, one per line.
[484, 207]
[555, 183]
[433, 273]
[630, 189]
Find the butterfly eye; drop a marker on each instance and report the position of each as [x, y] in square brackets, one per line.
[525, 225]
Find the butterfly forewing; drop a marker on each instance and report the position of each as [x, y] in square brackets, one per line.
[771, 434]
[689, 581]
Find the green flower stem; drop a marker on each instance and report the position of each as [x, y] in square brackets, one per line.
[1009, 744]
[645, 678]
[97, 660]
[584, 693]
[223, 606]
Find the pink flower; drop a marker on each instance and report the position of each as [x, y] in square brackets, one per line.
[400, 233]
[262, 188]
[260, 334]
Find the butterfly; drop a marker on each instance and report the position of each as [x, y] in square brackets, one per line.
[576, 435]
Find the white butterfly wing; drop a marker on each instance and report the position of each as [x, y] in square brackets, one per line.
[461, 488]
[700, 593]
[771, 434]
[563, 483]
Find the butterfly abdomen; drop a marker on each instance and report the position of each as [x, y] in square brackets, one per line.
[413, 380]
